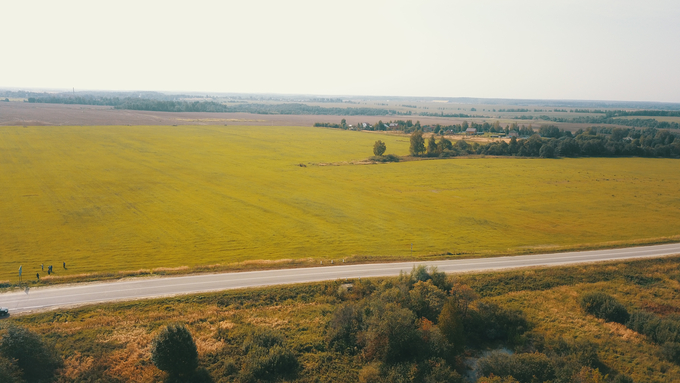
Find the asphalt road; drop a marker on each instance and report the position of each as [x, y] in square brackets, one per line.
[39, 299]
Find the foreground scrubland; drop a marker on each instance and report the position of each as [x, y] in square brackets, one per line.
[106, 199]
[533, 325]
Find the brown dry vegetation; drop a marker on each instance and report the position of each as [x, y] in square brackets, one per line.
[112, 341]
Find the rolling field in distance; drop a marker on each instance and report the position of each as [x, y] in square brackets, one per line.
[105, 199]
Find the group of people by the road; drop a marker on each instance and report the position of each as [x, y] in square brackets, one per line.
[50, 269]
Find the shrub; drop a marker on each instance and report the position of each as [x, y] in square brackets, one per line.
[497, 379]
[671, 352]
[344, 326]
[490, 322]
[451, 326]
[535, 367]
[440, 372]
[369, 374]
[267, 356]
[605, 307]
[582, 352]
[621, 378]
[264, 337]
[200, 375]
[660, 330]
[392, 335]
[589, 375]
[269, 363]
[426, 300]
[35, 359]
[385, 158]
[9, 373]
[174, 351]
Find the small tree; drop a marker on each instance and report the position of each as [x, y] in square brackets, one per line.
[174, 351]
[35, 359]
[379, 148]
[417, 143]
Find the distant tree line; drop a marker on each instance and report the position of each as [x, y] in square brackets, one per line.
[553, 142]
[77, 100]
[408, 126]
[442, 114]
[288, 108]
[610, 119]
[157, 105]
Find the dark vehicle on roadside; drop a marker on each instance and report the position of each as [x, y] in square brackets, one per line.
[4, 312]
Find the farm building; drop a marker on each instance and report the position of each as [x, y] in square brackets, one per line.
[471, 131]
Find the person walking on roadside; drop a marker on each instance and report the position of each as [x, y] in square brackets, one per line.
[64, 265]
[37, 276]
[42, 266]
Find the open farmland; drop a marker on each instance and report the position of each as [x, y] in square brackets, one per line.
[105, 199]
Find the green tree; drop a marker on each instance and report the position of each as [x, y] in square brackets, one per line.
[35, 359]
[546, 151]
[379, 148]
[174, 351]
[451, 326]
[431, 147]
[444, 145]
[417, 143]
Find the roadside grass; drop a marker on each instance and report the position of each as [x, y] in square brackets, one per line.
[121, 201]
[113, 340]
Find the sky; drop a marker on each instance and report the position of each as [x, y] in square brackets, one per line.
[532, 49]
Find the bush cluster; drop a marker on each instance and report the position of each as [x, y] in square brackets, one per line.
[665, 331]
[267, 356]
[416, 326]
[604, 307]
[24, 356]
[556, 361]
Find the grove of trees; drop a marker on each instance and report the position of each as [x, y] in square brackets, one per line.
[552, 142]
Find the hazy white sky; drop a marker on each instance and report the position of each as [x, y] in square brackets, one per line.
[580, 49]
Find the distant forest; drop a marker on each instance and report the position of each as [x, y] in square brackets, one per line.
[211, 106]
[608, 118]
[153, 101]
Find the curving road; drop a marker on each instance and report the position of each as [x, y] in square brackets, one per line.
[39, 299]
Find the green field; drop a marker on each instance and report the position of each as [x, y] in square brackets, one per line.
[105, 199]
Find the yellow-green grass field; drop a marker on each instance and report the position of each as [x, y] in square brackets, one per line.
[105, 199]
